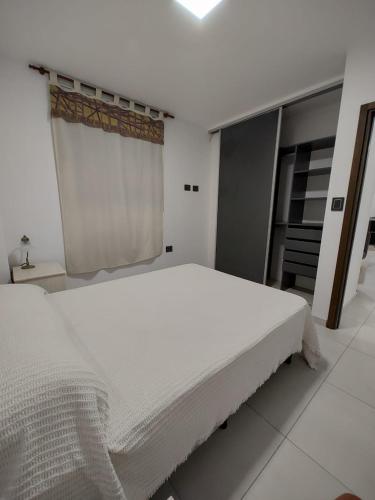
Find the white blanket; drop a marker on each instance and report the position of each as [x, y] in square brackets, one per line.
[180, 350]
[53, 407]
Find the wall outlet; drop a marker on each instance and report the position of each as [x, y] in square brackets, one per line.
[169, 248]
[187, 187]
[195, 188]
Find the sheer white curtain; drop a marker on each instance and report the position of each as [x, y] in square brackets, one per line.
[111, 196]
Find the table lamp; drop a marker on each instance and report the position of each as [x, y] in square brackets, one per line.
[26, 245]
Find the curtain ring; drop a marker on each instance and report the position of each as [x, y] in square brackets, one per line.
[53, 77]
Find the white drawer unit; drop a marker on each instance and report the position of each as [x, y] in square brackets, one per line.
[48, 275]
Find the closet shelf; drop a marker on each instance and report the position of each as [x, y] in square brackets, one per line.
[303, 198]
[306, 223]
[314, 171]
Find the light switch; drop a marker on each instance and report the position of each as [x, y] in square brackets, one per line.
[337, 204]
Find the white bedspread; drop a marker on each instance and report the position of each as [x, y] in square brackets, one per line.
[53, 407]
[179, 350]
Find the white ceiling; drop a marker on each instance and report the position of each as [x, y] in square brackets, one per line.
[244, 54]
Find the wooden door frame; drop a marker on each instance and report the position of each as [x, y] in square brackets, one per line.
[353, 200]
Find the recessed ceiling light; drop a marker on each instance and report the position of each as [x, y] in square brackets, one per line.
[199, 7]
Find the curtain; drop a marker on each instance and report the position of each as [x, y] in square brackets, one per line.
[110, 180]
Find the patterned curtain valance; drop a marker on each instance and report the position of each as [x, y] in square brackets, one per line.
[75, 107]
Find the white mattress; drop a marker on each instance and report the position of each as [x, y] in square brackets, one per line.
[179, 350]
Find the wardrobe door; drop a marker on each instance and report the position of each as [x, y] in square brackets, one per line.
[248, 158]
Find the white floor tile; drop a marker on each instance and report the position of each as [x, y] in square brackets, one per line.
[291, 475]
[224, 467]
[368, 274]
[368, 291]
[284, 396]
[355, 374]
[338, 431]
[357, 311]
[365, 340]
[370, 321]
[342, 335]
[354, 315]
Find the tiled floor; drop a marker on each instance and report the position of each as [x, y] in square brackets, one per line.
[304, 435]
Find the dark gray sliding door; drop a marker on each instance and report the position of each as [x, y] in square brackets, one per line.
[248, 156]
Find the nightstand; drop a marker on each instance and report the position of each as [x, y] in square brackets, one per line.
[48, 275]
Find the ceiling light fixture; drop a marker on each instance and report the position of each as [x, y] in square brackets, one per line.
[199, 8]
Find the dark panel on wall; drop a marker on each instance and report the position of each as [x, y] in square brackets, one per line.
[247, 155]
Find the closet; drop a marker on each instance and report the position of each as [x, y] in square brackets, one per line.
[273, 183]
[304, 170]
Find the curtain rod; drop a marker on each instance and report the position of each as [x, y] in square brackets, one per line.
[44, 71]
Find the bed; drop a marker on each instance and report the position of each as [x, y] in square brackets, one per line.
[108, 388]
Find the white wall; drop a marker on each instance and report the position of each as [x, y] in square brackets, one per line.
[29, 198]
[359, 88]
[372, 211]
[312, 119]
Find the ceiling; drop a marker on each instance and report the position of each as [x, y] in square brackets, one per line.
[244, 54]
